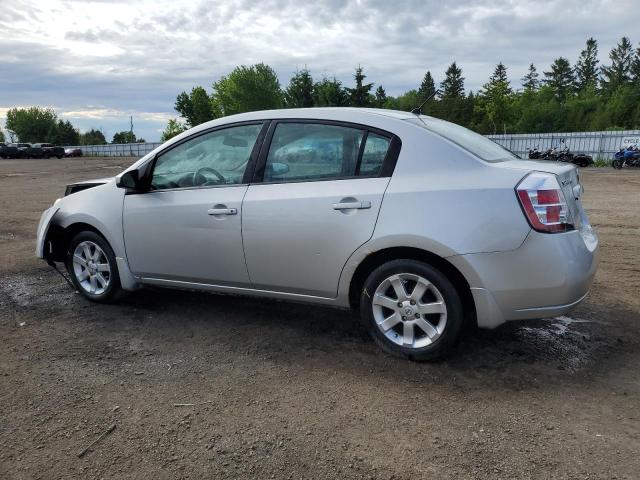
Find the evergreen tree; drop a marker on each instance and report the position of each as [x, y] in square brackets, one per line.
[494, 100]
[381, 97]
[299, 93]
[619, 72]
[560, 78]
[530, 81]
[64, 134]
[427, 87]
[635, 68]
[360, 96]
[587, 66]
[453, 84]
[329, 93]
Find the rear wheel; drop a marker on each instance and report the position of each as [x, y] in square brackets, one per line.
[411, 310]
[617, 164]
[92, 266]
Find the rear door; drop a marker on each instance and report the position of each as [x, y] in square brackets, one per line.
[319, 189]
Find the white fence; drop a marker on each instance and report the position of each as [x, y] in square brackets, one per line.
[598, 144]
[118, 149]
[601, 145]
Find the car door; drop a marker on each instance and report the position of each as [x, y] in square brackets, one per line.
[316, 199]
[187, 226]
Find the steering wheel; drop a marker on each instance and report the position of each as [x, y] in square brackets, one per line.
[198, 173]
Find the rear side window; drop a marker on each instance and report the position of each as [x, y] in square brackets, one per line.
[480, 146]
[373, 155]
[312, 151]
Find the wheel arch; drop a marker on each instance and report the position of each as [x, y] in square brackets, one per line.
[58, 238]
[379, 257]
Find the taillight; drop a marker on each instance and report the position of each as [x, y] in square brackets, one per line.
[543, 203]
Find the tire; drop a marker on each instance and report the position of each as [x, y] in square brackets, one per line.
[58, 157]
[97, 278]
[617, 164]
[431, 323]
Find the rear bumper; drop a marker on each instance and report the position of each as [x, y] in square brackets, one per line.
[547, 276]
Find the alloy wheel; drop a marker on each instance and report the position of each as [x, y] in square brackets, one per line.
[409, 310]
[91, 268]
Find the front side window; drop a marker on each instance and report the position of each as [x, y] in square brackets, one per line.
[312, 151]
[212, 159]
[475, 143]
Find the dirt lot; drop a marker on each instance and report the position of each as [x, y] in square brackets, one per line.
[280, 390]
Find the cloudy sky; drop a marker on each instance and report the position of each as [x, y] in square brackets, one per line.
[96, 62]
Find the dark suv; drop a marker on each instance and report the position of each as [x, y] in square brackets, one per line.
[50, 150]
[8, 151]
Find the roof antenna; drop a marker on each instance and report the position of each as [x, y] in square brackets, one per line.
[418, 109]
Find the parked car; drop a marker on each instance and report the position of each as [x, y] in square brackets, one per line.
[72, 152]
[50, 150]
[28, 150]
[418, 223]
[8, 151]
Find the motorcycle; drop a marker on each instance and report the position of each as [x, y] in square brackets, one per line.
[566, 155]
[627, 157]
[534, 153]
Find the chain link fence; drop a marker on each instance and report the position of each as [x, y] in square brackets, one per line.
[600, 145]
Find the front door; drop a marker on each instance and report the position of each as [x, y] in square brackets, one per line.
[322, 189]
[187, 227]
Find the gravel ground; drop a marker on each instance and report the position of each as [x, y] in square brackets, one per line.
[202, 385]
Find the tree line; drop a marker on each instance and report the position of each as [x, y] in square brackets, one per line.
[582, 96]
[42, 125]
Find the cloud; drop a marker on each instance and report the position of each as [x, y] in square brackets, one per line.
[134, 57]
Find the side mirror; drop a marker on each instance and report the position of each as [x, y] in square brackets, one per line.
[279, 168]
[128, 180]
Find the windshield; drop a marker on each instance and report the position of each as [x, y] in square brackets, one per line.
[480, 146]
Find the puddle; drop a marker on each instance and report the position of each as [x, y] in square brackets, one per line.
[560, 339]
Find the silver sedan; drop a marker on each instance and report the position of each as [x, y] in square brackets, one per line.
[420, 224]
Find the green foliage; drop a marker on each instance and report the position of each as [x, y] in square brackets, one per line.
[2, 139]
[195, 107]
[329, 93]
[125, 136]
[618, 74]
[381, 97]
[92, 137]
[560, 78]
[452, 87]
[247, 89]
[299, 93]
[530, 81]
[64, 134]
[33, 124]
[360, 96]
[172, 129]
[494, 102]
[427, 87]
[587, 67]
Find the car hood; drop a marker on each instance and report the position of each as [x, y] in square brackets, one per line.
[84, 185]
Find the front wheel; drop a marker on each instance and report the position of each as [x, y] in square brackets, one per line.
[92, 266]
[411, 310]
[617, 164]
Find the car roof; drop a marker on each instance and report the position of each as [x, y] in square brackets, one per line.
[328, 113]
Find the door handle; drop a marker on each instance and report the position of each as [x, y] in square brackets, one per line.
[222, 211]
[352, 205]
